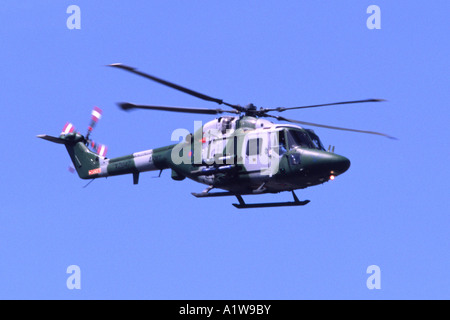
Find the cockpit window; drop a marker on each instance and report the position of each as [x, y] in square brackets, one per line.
[297, 138]
[315, 139]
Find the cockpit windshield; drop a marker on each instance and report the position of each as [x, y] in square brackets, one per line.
[315, 139]
[297, 138]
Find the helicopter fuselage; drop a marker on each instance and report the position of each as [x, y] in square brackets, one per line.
[243, 155]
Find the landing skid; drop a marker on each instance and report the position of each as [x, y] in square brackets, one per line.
[243, 205]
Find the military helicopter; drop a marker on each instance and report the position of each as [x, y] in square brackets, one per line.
[242, 154]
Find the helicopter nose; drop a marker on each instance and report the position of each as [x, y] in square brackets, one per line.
[338, 164]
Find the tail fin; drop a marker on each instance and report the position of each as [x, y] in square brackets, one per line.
[86, 162]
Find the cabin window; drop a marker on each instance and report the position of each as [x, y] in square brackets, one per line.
[253, 146]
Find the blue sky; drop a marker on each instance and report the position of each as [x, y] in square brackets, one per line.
[155, 240]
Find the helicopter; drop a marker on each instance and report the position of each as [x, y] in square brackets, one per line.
[240, 154]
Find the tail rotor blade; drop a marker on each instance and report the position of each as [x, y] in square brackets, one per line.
[102, 150]
[68, 128]
[96, 115]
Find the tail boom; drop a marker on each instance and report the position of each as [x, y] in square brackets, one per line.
[90, 165]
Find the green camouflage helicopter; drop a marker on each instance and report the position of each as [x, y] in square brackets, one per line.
[242, 154]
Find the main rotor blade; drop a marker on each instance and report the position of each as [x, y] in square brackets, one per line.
[129, 106]
[281, 109]
[174, 86]
[331, 127]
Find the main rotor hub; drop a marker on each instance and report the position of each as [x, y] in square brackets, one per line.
[250, 110]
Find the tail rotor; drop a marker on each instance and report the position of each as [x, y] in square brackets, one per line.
[86, 155]
[100, 149]
[69, 128]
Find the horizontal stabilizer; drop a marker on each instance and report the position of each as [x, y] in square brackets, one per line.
[52, 139]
